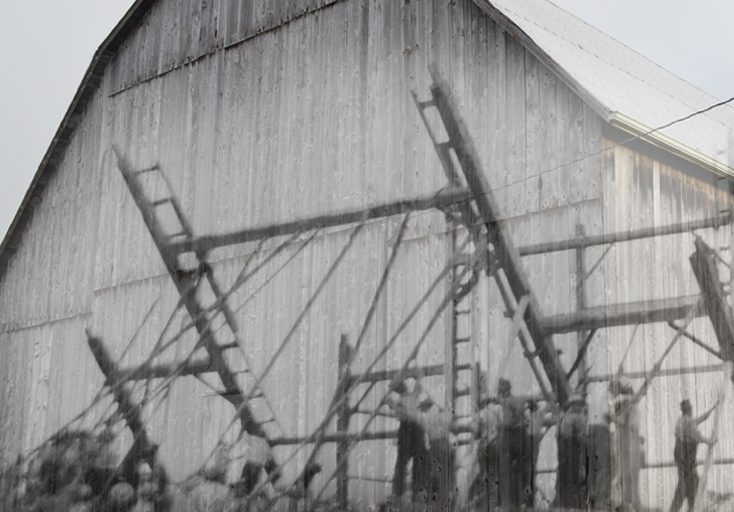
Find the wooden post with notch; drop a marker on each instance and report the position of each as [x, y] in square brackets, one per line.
[581, 304]
[342, 423]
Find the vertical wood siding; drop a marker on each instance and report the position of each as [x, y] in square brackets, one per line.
[262, 112]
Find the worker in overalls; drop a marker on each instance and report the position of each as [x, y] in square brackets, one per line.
[514, 447]
[411, 441]
[484, 491]
[435, 467]
[687, 439]
[628, 445]
[571, 477]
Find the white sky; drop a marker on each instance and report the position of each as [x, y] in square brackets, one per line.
[49, 44]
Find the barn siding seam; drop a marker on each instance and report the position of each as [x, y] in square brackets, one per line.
[10, 329]
[227, 46]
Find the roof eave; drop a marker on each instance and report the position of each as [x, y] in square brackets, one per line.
[659, 139]
[90, 83]
[539, 53]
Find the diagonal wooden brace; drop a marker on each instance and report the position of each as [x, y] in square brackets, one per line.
[127, 407]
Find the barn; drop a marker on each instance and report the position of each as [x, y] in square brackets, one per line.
[258, 217]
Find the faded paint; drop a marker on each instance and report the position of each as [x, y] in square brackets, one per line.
[255, 121]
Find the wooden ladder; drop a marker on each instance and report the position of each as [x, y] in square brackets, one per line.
[193, 277]
[495, 252]
[705, 268]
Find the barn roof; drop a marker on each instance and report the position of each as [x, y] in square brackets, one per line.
[628, 90]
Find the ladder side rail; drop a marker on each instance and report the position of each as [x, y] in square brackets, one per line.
[233, 392]
[524, 336]
[714, 297]
[126, 406]
[504, 249]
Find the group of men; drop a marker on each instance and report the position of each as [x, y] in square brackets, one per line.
[598, 464]
[508, 431]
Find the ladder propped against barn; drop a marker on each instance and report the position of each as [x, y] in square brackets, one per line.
[704, 262]
[195, 281]
[480, 217]
[479, 243]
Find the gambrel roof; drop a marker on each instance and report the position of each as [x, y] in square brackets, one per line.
[628, 90]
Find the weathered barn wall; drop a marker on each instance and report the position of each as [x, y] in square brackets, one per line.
[644, 187]
[256, 121]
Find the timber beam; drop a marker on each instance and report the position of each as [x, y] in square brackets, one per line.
[162, 371]
[341, 437]
[631, 313]
[583, 242]
[204, 365]
[673, 372]
[128, 409]
[439, 200]
[704, 264]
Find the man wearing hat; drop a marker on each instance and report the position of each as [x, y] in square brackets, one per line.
[572, 455]
[627, 444]
[687, 438]
[514, 448]
[411, 439]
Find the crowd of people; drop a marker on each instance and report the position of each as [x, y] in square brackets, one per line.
[598, 465]
[78, 471]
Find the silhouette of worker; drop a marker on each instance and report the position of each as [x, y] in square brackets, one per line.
[687, 438]
[571, 480]
[411, 441]
[514, 448]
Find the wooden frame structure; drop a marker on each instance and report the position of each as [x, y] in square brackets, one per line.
[468, 203]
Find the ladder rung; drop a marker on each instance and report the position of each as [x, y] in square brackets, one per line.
[229, 346]
[464, 367]
[149, 169]
[462, 392]
[160, 202]
[179, 233]
[462, 340]
[462, 312]
[233, 392]
[426, 104]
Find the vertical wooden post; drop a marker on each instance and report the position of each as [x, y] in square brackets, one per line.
[730, 197]
[449, 358]
[342, 423]
[581, 302]
[143, 447]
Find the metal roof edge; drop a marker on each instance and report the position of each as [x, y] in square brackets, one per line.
[89, 84]
[104, 54]
[659, 139]
[543, 56]
[614, 118]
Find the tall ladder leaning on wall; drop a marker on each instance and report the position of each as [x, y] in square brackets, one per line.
[194, 279]
[494, 253]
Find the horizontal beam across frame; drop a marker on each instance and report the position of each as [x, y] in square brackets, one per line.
[203, 365]
[440, 199]
[630, 313]
[162, 371]
[673, 372]
[625, 236]
[338, 437]
[653, 465]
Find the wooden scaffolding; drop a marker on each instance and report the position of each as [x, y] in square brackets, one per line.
[480, 244]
